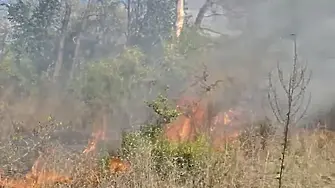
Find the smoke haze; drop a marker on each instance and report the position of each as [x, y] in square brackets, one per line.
[259, 37]
[256, 34]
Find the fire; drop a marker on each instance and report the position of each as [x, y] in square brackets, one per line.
[36, 177]
[92, 144]
[224, 118]
[48, 177]
[182, 128]
[187, 125]
[17, 183]
[117, 165]
[40, 176]
[227, 118]
[34, 181]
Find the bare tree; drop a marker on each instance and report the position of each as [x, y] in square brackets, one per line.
[294, 88]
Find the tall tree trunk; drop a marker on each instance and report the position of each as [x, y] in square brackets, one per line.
[75, 62]
[60, 55]
[180, 17]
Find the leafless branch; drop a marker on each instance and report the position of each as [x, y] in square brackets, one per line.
[201, 13]
[294, 89]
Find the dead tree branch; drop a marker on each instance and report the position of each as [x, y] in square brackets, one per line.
[202, 12]
[294, 89]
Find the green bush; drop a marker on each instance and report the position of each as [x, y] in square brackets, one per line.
[165, 156]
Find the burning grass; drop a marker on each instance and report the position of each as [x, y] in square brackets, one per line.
[155, 157]
[243, 163]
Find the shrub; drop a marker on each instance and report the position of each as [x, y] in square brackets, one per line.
[166, 157]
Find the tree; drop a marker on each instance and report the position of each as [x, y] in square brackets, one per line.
[63, 34]
[82, 27]
[34, 31]
[294, 89]
[146, 25]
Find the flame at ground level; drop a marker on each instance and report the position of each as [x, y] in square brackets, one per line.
[37, 177]
[194, 119]
[92, 144]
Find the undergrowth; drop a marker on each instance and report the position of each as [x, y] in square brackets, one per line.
[250, 161]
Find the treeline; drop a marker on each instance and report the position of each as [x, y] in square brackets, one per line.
[93, 47]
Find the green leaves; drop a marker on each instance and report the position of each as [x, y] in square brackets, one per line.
[107, 80]
[34, 29]
[147, 26]
[163, 109]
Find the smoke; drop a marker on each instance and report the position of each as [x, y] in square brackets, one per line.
[259, 36]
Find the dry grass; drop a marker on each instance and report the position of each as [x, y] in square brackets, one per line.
[251, 162]
[310, 163]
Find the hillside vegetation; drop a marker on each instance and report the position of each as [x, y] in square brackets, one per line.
[136, 94]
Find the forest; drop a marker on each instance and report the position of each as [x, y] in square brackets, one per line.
[169, 93]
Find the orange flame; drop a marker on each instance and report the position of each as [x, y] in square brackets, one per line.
[224, 118]
[185, 126]
[36, 177]
[116, 165]
[97, 136]
[16, 183]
